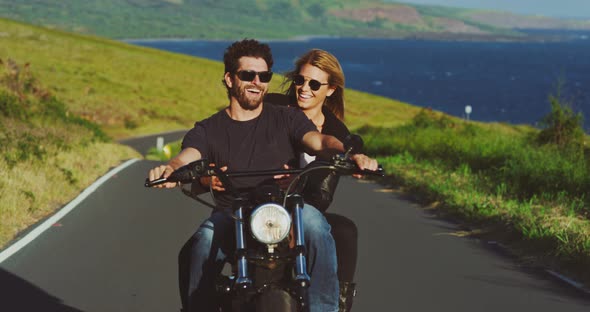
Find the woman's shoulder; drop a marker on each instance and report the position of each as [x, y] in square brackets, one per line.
[333, 125]
[277, 99]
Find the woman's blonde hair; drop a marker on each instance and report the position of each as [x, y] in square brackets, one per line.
[329, 64]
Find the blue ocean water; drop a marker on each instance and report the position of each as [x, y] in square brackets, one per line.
[501, 81]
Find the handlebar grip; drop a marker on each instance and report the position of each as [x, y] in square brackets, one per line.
[379, 172]
[155, 182]
[185, 174]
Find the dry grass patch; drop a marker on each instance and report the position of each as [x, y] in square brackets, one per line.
[32, 190]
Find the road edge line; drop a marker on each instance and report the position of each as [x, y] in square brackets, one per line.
[568, 281]
[18, 245]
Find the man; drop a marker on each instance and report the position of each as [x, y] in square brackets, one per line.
[250, 135]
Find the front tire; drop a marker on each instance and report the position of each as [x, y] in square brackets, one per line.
[276, 300]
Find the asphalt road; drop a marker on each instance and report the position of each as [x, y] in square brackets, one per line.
[117, 251]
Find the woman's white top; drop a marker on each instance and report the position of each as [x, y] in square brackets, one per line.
[304, 159]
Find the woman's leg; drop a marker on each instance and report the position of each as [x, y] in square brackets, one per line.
[321, 261]
[345, 235]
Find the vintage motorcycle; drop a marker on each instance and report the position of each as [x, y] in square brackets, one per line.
[269, 270]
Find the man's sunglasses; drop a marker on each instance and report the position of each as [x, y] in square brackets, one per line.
[314, 85]
[249, 75]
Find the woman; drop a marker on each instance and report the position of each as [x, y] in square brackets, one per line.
[316, 86]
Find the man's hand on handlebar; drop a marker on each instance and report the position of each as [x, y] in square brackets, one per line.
[162, 171]
[283, 180]
[213, 181]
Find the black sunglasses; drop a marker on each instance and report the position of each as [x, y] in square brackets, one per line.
[249, 75]
[314, 85]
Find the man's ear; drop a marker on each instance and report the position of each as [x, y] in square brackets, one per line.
[228, 80]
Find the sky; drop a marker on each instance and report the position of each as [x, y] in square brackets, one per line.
[553, 8]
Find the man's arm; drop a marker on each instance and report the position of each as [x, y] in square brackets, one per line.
[185, 157]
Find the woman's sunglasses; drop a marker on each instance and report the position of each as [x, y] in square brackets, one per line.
[314, 85]
[249, 75]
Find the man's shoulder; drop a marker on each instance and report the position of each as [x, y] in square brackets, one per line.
[216, 117]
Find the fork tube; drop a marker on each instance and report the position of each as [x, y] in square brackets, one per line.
[300, 261]
[243, 280]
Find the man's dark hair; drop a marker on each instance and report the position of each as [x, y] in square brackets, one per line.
[246, 47]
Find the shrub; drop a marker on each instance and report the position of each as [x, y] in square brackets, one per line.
[562, 127]
[427, 118]
[11, 107]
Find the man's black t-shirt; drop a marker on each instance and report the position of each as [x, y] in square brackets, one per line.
[263, 143]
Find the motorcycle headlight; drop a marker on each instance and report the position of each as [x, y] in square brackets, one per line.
[270, 223]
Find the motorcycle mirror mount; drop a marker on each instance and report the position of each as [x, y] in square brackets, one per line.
[353, 144]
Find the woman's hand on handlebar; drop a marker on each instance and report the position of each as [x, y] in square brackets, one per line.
[364, 162]
[162, 171]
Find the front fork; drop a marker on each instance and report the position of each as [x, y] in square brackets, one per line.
[243, 281]
[302, 279]
[301, 276]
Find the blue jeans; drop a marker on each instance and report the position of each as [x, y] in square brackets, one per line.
[216, 237]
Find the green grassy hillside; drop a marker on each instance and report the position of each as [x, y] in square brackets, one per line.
[235, 19]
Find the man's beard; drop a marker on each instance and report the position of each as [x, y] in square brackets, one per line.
[240, 93]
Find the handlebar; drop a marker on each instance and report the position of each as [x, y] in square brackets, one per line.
[201, 168]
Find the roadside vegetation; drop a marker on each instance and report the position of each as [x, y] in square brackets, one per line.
[47, 153]
[523, 186]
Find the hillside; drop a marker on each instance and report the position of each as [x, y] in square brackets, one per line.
[235, 19]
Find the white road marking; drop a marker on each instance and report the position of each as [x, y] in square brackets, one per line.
[18, 245]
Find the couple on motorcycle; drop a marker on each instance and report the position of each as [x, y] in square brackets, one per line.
[256, 135]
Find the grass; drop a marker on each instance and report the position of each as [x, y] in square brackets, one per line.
[552, 230]
[33, 189]
[47, 154]
[124, 89]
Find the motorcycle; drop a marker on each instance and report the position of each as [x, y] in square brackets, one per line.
[269, 267]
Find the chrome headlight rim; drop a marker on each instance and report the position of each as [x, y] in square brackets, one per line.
[256, 219]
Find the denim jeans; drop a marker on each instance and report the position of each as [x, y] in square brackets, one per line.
[216, 237]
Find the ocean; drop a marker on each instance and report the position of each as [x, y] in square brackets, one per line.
[501, 81]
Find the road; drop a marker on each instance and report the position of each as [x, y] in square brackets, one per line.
[117, 251]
